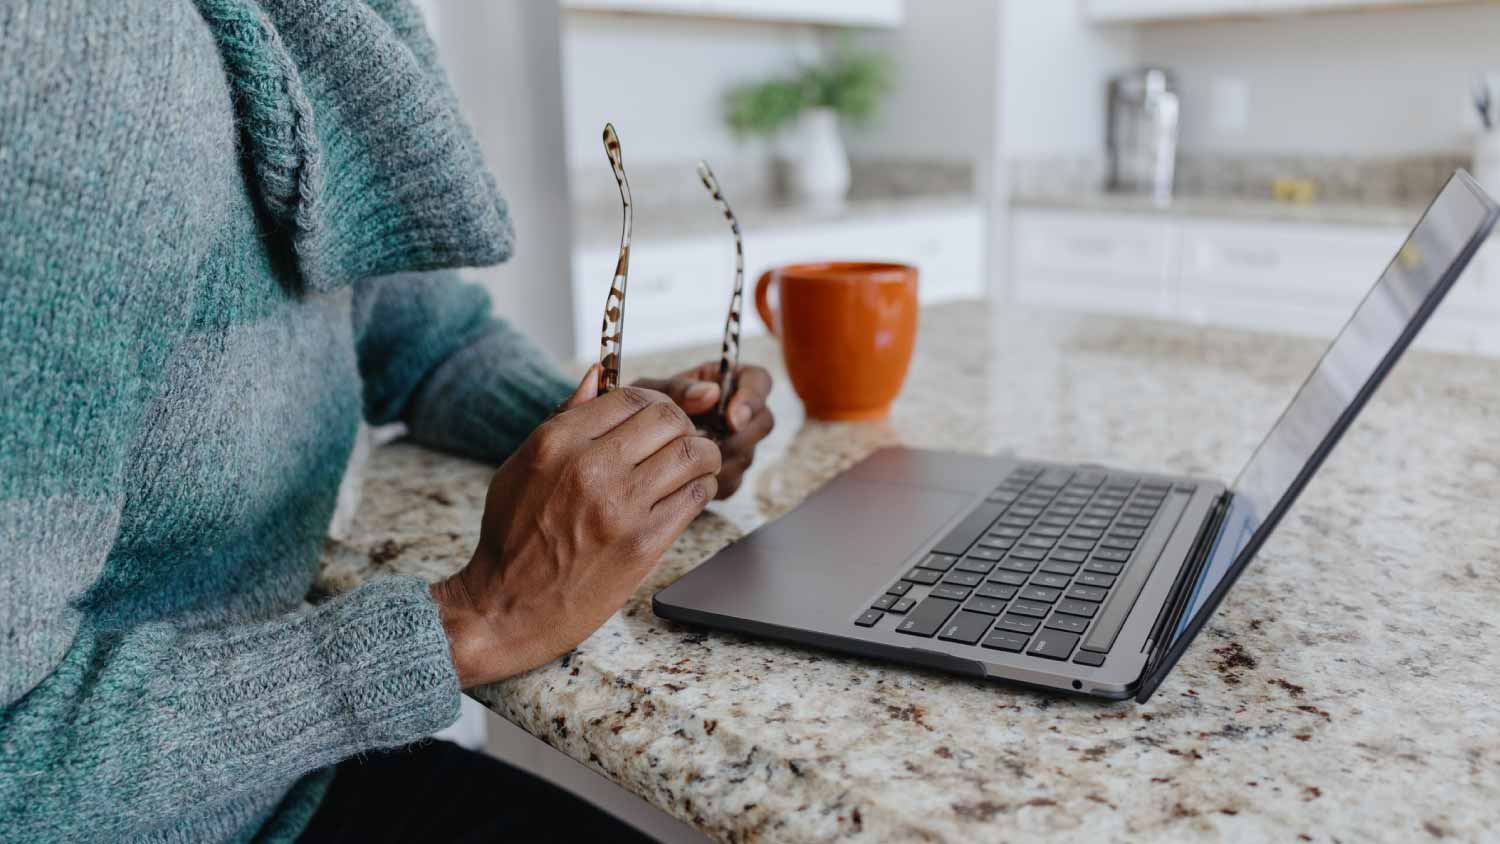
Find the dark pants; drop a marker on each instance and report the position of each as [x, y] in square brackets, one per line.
[436, 791]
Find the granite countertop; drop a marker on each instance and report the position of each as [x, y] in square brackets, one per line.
[1346, 691]
[599, 227]
[1393, 214]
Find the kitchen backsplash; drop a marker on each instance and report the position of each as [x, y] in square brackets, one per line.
[1376, 181]
[676, 185]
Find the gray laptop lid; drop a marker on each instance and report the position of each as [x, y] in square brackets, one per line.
[1428, 263]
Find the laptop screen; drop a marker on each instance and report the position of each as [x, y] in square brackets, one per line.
[1354, 363]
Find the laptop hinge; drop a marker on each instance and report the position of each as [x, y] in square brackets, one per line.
[1182, 589]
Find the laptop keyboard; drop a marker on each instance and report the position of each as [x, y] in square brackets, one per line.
[1042, 567]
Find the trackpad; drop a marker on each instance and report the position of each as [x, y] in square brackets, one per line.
[818, 563]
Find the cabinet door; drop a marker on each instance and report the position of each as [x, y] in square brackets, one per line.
[1116, 263]
[1296, 278]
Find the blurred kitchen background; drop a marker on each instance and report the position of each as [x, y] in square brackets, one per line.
[1266, 158]
[1307, 135]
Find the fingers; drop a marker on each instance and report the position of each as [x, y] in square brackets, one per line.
[594, 419]
[651, 429]
[675, 512]
[588, 388]
[673, 466]
[693, 394]
[752, 384]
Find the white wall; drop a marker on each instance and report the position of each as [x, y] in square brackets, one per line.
[503, 58]
[661, 80]
[1365, 83]
[1055, 68]
[942, 106]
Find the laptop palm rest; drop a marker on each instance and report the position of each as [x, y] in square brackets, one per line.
[810, 568]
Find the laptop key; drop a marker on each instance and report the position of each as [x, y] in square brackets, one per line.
[1031, 609]
[927, 617]
[1053, 644]
[1069, 555]
[988, 606]
[998, 543]
[1058, 567]
[1048, 532]
[1103, 566]
[949, 591]
[970, 528]
[1005, 532]
[1119, 542]
[1050, 580]
[1073, 544]
[974, 566]
[1072, 607]
[937, 562]
[964, 578]
[966, 627]
[869, 618]
[1088, 593]
[901, 588]
[997, 591]
[1086, 533]
[1022, 566]
[1087, 658]
[979, 552]
[1114, 555]
[1042, 542]
[1017, 624]
[903, 605]
[885, 602]
[1091, 578]
[1008, 578]
[1040, 593]
[1068, 623]
[1004, 640]
[923, 576]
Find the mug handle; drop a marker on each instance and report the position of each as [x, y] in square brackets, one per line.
[762, 306]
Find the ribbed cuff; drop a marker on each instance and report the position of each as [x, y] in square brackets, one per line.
[369, 669]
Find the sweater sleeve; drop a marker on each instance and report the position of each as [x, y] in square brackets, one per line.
[432, 356]
[111, 727]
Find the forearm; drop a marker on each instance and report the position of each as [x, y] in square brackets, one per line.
[135, 726]
[485, 399]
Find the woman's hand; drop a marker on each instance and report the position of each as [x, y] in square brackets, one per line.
[696, 391]
[573, 522]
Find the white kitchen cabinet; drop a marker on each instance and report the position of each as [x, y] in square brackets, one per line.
[1145, 11]
[679, 288]
[881, 13]
[1120, 263]
[1302, 278]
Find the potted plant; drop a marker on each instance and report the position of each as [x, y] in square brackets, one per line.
[802, 113]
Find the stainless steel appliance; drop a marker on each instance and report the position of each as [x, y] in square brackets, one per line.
[1141, 137]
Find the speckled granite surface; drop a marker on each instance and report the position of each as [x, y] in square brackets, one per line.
[1349, 690]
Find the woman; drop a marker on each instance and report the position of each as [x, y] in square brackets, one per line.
[229, 228]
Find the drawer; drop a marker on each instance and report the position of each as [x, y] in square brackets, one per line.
[1069, 243]
[1314, 267]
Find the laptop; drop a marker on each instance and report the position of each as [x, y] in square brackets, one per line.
[1077, 578]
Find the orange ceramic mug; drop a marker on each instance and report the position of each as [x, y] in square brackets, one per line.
[847, 329]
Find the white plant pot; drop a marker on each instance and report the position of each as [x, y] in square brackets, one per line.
[819, 166]
[1487, 161]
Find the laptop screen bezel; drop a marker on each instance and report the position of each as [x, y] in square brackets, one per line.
[1155, 674]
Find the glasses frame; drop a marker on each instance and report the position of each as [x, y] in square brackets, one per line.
[612, 332]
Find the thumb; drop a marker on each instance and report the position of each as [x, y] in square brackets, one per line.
[694, 396]
[588, 389]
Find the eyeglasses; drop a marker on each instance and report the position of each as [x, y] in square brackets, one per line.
[613, 330]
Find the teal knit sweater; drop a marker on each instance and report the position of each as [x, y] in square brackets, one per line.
[217, 220]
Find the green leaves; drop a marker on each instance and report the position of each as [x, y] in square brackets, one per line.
[852, 83]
